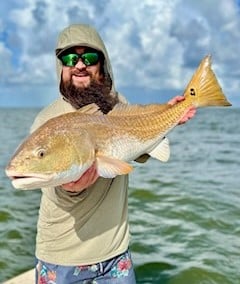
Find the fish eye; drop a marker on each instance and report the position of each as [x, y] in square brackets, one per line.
[40, 153]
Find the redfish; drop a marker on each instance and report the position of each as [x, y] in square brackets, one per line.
[63, 148]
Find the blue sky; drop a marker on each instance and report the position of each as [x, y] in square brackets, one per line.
[155, 46]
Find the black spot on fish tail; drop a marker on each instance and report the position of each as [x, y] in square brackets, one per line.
[192, 92]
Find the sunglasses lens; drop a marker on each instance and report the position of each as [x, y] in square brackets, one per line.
[69, 60]
[90, 58]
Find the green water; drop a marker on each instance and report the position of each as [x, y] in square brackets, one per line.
[184, 214]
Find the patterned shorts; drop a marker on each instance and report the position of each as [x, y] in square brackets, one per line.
[118, 270]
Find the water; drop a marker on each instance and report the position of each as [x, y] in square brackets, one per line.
[184, 214]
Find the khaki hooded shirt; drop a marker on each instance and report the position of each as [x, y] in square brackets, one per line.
[91, 226]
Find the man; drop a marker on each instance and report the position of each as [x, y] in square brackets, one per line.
[83, 230]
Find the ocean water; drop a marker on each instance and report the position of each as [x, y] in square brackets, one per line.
[184, 214]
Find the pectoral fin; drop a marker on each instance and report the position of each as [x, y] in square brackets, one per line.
[162, 151]
[110, 167]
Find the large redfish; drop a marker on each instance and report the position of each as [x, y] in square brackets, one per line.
[63, 148]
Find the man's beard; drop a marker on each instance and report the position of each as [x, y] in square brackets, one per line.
[97, 92]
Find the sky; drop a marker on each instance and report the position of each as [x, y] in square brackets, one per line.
[154, 46]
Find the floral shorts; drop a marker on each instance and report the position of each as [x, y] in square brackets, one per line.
[118, 270]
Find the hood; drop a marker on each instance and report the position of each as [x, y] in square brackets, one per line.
[81, 35]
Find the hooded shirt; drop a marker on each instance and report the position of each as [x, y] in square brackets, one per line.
[91, 226]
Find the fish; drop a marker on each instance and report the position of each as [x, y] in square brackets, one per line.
[65, 147]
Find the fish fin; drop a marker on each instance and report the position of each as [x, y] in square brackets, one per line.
[90, 109]
[162, 151]
[204, 89]
[110, 167]
[130, 110]
[142, 159]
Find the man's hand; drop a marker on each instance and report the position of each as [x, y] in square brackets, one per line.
[86, 180]
[191, 112]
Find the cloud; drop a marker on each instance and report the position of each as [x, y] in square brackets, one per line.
[153, 45]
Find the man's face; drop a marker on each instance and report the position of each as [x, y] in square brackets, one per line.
[83, 84]
[81, 75]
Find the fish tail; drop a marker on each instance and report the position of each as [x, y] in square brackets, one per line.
[204, 89]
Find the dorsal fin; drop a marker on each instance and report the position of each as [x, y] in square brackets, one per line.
[126, 109]
[90, 109]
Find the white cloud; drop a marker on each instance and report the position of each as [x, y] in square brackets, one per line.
[5, 70]
[152, 44]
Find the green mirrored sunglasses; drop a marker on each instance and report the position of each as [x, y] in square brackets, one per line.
[88, 58]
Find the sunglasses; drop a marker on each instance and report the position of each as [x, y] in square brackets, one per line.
[88, 58]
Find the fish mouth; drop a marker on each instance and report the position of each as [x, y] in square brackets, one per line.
[29, 181]
[19, 177]
[26, 178]
[16, 175]
[33, 180]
